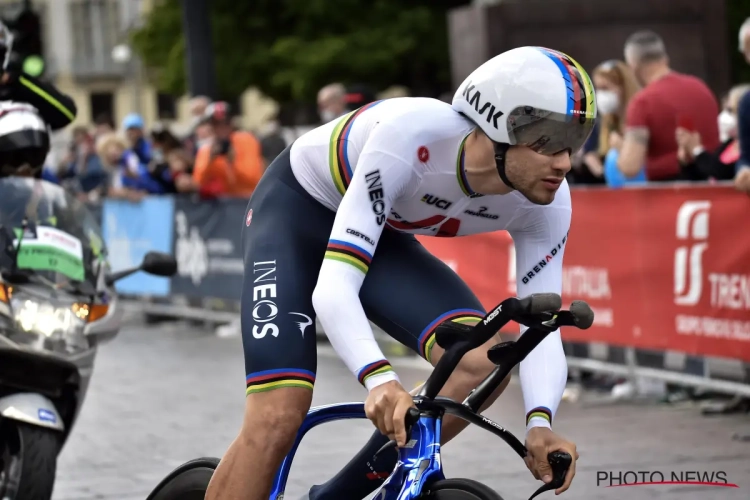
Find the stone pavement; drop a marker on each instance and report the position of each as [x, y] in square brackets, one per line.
[163, 395]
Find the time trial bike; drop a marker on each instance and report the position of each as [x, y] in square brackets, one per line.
[418, 473]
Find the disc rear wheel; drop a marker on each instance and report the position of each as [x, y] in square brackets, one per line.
[460, 489]
[189, 481]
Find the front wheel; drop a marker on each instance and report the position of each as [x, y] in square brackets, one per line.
[28, 461]
[459, 489]
[189, 481]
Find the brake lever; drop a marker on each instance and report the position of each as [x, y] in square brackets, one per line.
[559, 462]
[411, 418]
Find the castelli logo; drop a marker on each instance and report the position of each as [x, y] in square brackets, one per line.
[249, 217]
[423, 154]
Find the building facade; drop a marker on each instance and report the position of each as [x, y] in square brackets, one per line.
[79, 37]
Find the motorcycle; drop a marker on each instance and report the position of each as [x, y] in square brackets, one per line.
[57, 304]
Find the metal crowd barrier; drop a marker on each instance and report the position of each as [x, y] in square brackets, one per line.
[662, 303]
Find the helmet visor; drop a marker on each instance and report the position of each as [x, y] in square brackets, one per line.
[547, 132]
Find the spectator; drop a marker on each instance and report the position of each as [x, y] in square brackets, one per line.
[742, 175]
[358, 95]
[232, 163]
[615, 87]
[201, 132]
[668, 98]
[197, 106]
[133, 126]
[727, 121]
[163, 143]
[719, 164]
[129, 178]
[180, 170]
[331, 102]
[82, 170]
[103, 124]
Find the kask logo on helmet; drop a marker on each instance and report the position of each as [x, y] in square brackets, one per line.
[476, 98]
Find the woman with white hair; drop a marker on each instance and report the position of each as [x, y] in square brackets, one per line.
[719, 164]
[130, 179]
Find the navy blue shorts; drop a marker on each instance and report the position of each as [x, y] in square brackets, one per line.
[407, 292]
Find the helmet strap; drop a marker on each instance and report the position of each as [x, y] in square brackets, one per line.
[500, 154]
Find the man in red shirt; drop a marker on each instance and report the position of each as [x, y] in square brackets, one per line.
[668, 100]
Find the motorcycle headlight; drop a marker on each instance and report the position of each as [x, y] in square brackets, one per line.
[47, 325]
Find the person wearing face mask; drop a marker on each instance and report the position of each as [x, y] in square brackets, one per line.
[720, 163]
[615, 86]
[331, 102]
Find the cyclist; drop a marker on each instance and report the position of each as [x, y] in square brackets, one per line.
[329, 232]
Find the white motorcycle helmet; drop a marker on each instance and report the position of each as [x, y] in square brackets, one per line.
[530, 96]
[24, 139]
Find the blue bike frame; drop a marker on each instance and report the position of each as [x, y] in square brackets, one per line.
[419, 461]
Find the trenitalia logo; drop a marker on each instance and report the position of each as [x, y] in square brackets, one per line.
[692, 231]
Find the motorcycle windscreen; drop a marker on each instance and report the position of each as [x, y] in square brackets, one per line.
[48, 233]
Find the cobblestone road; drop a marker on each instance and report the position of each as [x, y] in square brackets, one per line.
[163, 395]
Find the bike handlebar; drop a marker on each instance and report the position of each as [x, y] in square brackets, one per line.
[508, 310]
[540, 312]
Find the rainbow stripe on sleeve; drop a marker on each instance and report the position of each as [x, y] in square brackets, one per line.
[541, 412]
[349, 253]
[373, 369]
[338, 154]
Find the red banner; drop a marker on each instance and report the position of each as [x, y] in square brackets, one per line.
[663, 268]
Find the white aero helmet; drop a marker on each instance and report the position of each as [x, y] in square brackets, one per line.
[530, 96]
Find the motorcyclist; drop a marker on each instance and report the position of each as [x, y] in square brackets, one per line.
[25, 154]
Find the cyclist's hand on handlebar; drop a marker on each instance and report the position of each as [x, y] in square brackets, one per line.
[386, 407]
[540, 442]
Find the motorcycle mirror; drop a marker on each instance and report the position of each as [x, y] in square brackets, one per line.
[156, 263]
[159, 264]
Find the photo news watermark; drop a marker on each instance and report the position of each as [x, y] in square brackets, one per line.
[610, 479]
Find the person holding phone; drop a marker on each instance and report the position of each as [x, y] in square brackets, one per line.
[669, 100]
[232, 164]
